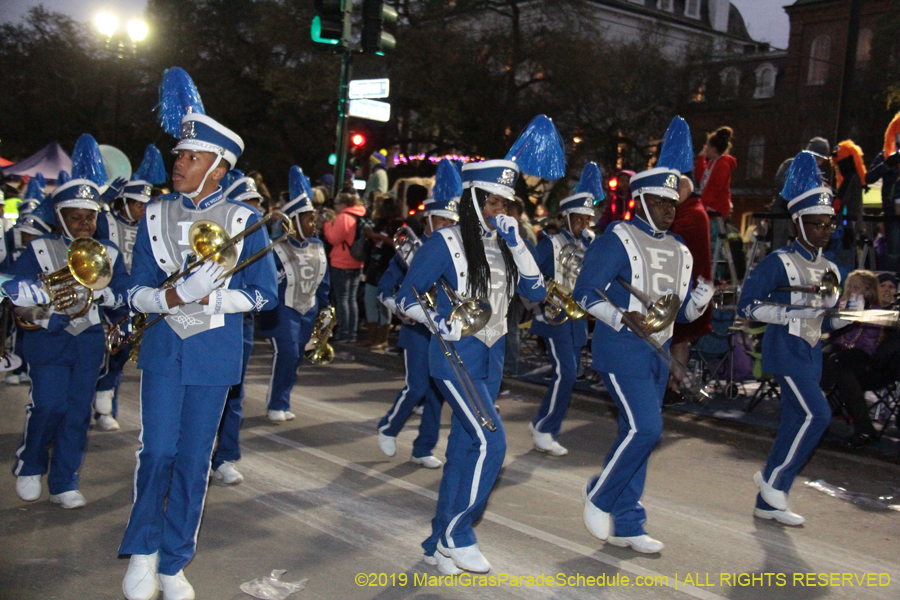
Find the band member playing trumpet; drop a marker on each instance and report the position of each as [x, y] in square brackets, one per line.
[65, 352]
[642, 253]
[303, 286]
[565, 340]
[792, 349]
[120, 225]
[190, 360]
[482, 257]
[441, 210]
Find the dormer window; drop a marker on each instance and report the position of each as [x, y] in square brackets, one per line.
[666, 5]
[765, 81]
[692, 9]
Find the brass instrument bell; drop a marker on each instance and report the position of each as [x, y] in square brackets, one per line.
[322, 352]
[828, 287]
[660, 313]
[406, 243]
[559, 306]
[473, 313]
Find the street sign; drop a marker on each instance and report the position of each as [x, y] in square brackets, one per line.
[370, 88]
[370, 109]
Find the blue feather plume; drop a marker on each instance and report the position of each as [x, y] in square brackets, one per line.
[299, 184]
[677, 149]
[44, 210]
[34, 191]
[230, 178]
[62, 178]
[152, 170]
[540, 151]
[87, 162]
[447, 182]
[591, 182]
[178, 96]
[801, 177]
[41, 181]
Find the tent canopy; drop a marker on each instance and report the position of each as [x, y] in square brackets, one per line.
[49, 160]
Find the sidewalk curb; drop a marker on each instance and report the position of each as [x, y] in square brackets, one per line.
[719, 430]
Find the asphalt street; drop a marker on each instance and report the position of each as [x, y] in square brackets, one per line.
[320, 500]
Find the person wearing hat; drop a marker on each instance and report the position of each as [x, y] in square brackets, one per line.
[792, 348]
[228, 450]
[645, 254]
[482, 257]
[66, 350]
[303, 286]
[378, 178]
[781, 228]
[563, 341]
[191, 359]
[119, 225]
[441, 210]
[887, 290]
[885, 168]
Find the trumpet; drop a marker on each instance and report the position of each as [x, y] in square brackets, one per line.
[322, 353]
[470, 394]
[209, 241]
[406, 244]
[88, 266]
[559, 306]
[827, 287]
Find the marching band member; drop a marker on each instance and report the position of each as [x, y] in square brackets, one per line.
[792, 349]
[119, 225]
[564, 341]
[303, 286]
[441, 210]
[228, 447]
[482, 257]
[65, 353]
[643, 253]
[190, 360]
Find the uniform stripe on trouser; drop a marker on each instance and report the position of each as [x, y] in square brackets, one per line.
[555, 395]
[20, 463]
[476, 477]
[631, 431]
[404, 393]
[797, 438]
[272, 376]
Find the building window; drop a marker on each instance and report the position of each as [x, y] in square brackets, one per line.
[819, 54]
[665, 5]
[765, 81]
[756, 153]
[864, 46]
[731, 83]
[698, 88]
[692, 9]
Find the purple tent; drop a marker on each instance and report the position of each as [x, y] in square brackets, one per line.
[49, 160]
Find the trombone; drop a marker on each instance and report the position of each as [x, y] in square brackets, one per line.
[470, 394]
[661, 313]
[322, 352]
[406, 244]
[559, 306]
[209, 241]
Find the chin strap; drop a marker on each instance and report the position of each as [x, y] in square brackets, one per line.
[806, 239]
[193, 194]
[430, 225]
[296, 219]
[647, 216]
[62, 223]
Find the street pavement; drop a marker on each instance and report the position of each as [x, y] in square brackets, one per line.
[320, 500]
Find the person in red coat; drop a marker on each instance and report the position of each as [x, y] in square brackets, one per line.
[712, 171]
[692, 225]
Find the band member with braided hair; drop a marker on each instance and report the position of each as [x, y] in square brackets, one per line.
[441, 210]
[482, 257]
[640, 252]
[564, 341]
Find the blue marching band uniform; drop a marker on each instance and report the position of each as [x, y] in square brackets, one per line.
[303, 287]
[415, 338]
[644, 254]
[474, 453]
[563, 341]
[190, 360]
[792, 348]
[66, 349]
[120, 226]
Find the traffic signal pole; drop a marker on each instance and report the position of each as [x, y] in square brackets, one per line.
[343, 132]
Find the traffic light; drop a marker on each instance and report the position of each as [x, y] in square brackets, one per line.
[357, 149]
[331, 25]
[375, 15]
[613, 183]
[357, 140]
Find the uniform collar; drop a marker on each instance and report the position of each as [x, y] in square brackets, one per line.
[799, 249]
[645, 227]
[210, 200]
[568, 235]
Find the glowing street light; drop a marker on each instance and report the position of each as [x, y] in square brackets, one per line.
[137, 30]
[106, 23]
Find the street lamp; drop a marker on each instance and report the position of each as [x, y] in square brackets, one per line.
[137, 30]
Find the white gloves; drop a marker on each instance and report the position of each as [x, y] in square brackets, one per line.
[199, 284]
[587, 236]
[106, 297]
[700, 298]
[452, 332]
[391, 305]
[30, 294]
[508, 229]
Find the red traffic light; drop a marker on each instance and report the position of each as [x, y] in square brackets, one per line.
[613, 183]
[357, 139]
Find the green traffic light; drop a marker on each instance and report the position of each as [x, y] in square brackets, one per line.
[315, 32]
[332, 159]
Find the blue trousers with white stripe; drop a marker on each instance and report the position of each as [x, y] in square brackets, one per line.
[564, 362]
[59, 414]
[111, 375]
[178, 429]
[619, 487]
[288, 356]
[805, 416]
[419, 386]
[228, 447]
[474, 458]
